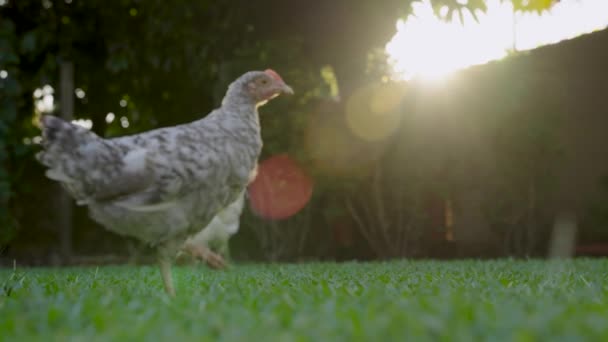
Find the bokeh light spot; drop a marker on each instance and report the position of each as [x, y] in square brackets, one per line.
[281, 188]
[371, 112]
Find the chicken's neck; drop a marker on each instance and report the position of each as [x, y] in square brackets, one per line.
[241, 108]
[242, 120]
[242, 115]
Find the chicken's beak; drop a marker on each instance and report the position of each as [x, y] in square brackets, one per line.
[285, 89]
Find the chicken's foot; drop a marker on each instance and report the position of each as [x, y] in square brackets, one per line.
[205, 254]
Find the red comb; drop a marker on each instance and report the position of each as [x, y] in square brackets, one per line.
[273, 74]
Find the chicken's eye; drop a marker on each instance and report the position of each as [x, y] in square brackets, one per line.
[264, 81]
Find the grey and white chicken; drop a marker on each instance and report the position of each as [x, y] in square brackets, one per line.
[163, 185]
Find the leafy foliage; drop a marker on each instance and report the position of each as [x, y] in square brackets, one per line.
[11, 129]
[475, 6]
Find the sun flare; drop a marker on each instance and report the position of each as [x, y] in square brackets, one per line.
[428, 47]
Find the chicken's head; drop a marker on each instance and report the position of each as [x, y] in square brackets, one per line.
[259, 86]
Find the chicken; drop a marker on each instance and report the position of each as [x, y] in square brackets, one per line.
[216, 235]
[163, 185]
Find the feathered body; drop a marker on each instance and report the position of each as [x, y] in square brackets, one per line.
[163, 185]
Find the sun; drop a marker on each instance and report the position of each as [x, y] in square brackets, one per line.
[430, 48]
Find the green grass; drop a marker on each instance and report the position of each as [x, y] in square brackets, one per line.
[414, 301]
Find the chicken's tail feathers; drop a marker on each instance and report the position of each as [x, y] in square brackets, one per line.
[58, 131]
[62, 146]
[61, 139]
[52, 128]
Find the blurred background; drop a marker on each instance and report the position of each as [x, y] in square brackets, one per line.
[421, 129]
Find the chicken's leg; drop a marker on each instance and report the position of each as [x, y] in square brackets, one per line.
[165, 272]
[224, 250]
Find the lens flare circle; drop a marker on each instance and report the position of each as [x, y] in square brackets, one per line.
[281, 188]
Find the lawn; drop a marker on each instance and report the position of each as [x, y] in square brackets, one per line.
[404, 300]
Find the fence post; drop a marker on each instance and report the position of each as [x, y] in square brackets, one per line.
[66, 101]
